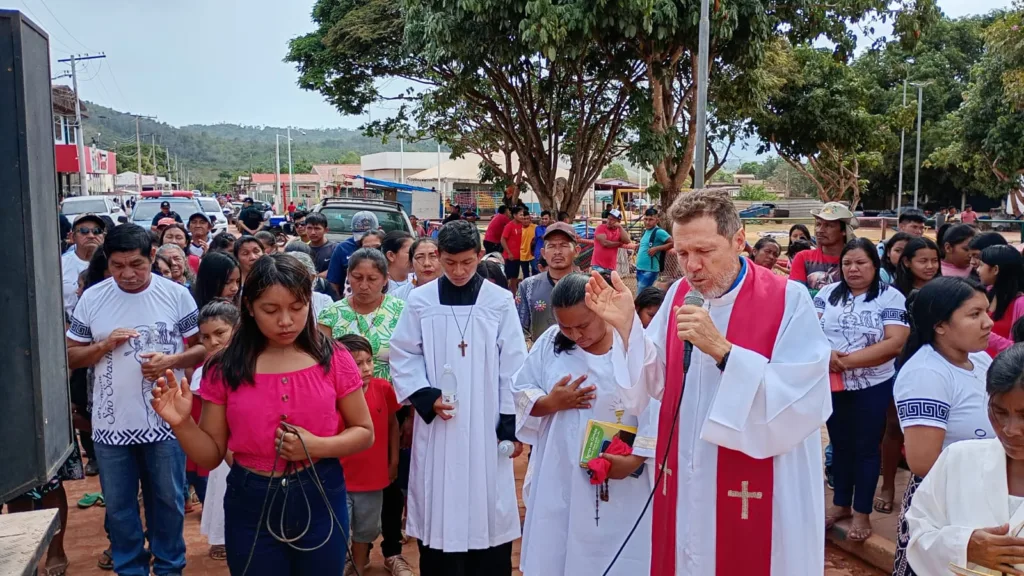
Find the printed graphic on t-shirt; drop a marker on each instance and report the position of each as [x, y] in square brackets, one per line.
[820, 274]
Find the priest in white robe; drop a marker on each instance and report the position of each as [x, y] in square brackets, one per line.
[739, 443]
[571, 377]
[462, 498]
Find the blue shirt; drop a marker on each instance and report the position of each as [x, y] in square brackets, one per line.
[651, 239]
[539, 245]
[338, 268]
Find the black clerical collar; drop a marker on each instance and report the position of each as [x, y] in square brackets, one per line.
[451, 295]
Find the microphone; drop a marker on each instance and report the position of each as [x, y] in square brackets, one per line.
[693, 298]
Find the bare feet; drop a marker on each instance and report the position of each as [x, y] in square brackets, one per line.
[883, 502]
[860, 527]
[835, 514]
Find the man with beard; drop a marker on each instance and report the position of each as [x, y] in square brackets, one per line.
[533, 298]
[833, 228]
[87, 234]
[756, 365]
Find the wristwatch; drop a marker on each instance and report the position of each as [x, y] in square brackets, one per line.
[721, 365]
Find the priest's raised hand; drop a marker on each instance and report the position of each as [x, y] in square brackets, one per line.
[613, 303]
[172, 401]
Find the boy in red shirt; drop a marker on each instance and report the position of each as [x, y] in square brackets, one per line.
[368, 473]
[511, 241]
[608, 238]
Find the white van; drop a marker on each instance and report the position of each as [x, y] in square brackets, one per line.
[98, 205]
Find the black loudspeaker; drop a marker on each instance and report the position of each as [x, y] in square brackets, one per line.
[35, 415]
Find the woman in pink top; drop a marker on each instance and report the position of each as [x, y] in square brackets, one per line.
[275, 397]
[956, 254]
[1001, 270]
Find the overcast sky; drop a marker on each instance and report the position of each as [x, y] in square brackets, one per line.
[209, 61]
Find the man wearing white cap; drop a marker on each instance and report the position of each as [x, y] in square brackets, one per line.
[362, 222]
[608, 238]
[833, 228]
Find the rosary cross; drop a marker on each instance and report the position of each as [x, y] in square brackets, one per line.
[463, 346]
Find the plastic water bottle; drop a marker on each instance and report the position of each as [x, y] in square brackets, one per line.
[449, 390]
[506, 448]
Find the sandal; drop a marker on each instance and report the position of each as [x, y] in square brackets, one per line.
[883, 506]
[106, 561]
[218, 552]
[90, 499]
[60, 570]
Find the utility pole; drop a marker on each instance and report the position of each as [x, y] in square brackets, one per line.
[138, 151]
[903, 133]
[401, 153]
[83, 184]
[917, 163]
[277, 168]
[152, 153]
[291, 177]
[700, 150]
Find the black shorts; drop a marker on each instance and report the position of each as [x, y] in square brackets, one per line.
[490, 247]
[512, 268]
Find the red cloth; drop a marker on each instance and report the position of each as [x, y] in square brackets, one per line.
[495, 228]
[606, 257]
[513, 235]
[600, 466]
[742, 545]
[193, 263]
[367, 471]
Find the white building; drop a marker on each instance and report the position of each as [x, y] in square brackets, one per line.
[392, 165]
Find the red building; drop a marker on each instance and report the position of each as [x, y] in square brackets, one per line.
[100, 165]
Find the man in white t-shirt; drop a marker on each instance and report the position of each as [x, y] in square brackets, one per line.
[131, 329]
[87, 234]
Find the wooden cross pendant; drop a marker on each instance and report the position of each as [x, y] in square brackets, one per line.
[463, 346]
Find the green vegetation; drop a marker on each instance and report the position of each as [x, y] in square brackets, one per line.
[756, 192]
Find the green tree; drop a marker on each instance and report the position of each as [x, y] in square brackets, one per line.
[615, 170]
[302, 167]
[820, 124]
[757, 193]
[539, 92]
[350, 157]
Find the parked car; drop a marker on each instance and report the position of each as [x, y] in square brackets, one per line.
[764, 210]
[339, 211]
[98, 205]
[148, 205]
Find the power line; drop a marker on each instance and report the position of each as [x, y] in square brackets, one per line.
[124, 101]
[43, 2]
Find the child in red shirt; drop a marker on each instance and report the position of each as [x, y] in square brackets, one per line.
[368, 473]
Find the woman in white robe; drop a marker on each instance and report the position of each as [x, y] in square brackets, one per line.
[570, 377]
[969, 511]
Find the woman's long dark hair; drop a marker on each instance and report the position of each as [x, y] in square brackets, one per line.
[97, 268]
[237, 362]
[802, 228]
[935, 303]
[214, 270]
[842, 292]
[886, 264]
[1008, 281]
[904, 275]
[570, 291]
[956, 235]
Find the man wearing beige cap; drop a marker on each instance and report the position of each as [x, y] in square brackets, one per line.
[833, 228]
[533, 297]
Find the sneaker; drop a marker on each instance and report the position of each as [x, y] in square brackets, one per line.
[397, 566]
[92, 468]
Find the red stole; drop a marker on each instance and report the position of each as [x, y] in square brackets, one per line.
[743, 516]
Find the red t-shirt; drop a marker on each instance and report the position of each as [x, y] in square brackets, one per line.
[814, 269]
[513, 236]
[495, 228]
[969, 217]
[606, 257]
[367, 471]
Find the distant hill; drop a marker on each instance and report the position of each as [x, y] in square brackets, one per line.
[210, 151]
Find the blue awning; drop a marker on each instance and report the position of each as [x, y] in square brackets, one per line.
[395, 185]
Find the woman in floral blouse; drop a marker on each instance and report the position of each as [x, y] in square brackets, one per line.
[368, 311]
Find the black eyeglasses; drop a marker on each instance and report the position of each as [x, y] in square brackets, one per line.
[86, 231]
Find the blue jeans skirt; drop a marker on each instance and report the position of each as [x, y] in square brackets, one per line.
[251, 499]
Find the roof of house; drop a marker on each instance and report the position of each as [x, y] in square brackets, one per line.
[298, 178]
[64, 101]
[613, 184]
[467, 169]
[336, 172]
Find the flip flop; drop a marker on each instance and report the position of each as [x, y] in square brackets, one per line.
[858, 534]
[218, 552]
[89, 499]
[57, 570]
[883, 506]
[830, 521]
[106, 561]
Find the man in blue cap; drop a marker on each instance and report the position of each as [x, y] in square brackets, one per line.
[362, 222]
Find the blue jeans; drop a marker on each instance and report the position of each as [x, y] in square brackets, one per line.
[855, 428]
[645, 279]
[245, 522]
[160, 468]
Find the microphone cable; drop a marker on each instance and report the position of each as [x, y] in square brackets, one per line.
[285, 487]
[695, 298]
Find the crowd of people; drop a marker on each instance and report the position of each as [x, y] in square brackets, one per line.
[314, 398]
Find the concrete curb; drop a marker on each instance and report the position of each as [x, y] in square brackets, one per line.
[877, 551]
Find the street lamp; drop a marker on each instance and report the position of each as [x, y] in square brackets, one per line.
[291, 176]
[702, 95]
[917, 162]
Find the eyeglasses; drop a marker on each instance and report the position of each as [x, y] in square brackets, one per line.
[426, 258]
[86, 231]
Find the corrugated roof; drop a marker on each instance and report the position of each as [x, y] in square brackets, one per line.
[467, 169]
